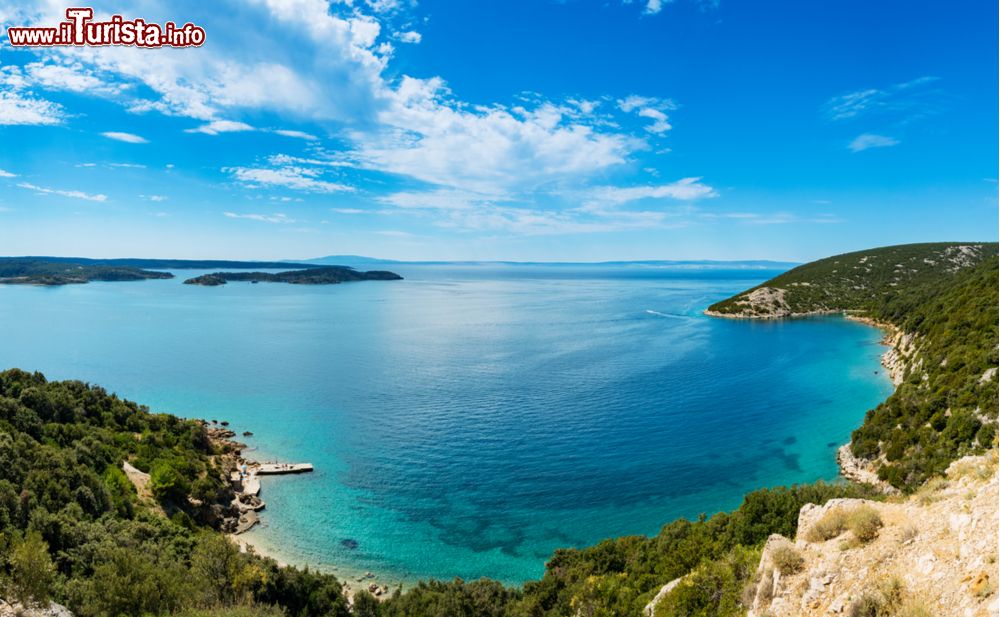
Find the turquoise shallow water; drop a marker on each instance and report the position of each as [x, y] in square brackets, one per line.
[467, 421]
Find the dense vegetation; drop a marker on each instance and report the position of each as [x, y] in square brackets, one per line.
[73, 528]
[27, 271]
[945, 297]
[326, 275]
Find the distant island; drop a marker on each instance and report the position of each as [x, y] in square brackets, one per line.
[29, 271]
[327, 275]
[52, 271]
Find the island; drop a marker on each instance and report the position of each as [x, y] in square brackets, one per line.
[28, 271]
[325, 275]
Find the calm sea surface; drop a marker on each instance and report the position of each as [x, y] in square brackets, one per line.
[467, 421]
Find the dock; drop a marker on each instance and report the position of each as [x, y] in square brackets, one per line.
[280, 468]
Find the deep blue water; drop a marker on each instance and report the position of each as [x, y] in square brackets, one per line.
[468, 421]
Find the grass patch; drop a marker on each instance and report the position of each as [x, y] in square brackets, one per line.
[865, 523]
[886, 601]
[787, 560]
[828, 527]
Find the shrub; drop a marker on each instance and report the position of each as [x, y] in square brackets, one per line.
[864, 523]
[868, 605]
[828, 527]
[787, 560]
[32, 572]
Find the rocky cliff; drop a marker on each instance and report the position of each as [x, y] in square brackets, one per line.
[932, 553]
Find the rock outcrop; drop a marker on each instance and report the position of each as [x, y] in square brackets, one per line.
[17, 610]
[934, 553]
[650, 609]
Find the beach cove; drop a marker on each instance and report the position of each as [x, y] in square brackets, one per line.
[467, 422]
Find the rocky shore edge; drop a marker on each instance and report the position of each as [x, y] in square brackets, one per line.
[896, 360]
[247, 503]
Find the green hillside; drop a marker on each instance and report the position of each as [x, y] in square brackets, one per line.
[859, 281]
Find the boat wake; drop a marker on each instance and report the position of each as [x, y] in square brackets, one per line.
[672, 315]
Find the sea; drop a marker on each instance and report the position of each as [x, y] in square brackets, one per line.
[469, 420]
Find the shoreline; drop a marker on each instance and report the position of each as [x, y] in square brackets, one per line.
[895, 360]
[248, 503]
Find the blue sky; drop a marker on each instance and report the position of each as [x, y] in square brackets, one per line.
[524, 130]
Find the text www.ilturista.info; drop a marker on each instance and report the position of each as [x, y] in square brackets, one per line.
[79, 29]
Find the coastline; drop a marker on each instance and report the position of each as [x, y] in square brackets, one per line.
[895, 360]
[248, 503]
[354, 579]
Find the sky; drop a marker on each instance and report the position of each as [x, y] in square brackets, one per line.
[570, 130]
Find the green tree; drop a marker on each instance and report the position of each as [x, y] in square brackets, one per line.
[32, 572]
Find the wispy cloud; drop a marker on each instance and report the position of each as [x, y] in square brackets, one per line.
[602, 210]
[298, 178]
[264, 218]
[868, 140]
[63, 193]
[6, 174]
[129, 138]
[773, 218]
[296, 134]
[221, 126]
[685, 189]
[410, 36]
[910, 99]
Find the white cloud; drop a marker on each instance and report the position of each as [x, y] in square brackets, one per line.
[221, 126]
[426, 135]
[295, 134]
[6, 174]
[129, 138]
[17, 108]
[63, 193]
[127, 165]
[264, 218]
[660, 124]
[349, 210]
[334, 75]
[648, 107]
[299, 178]
[685, 189]
[154, 197]
[411, 36]
[868, 140]
[653, 6]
